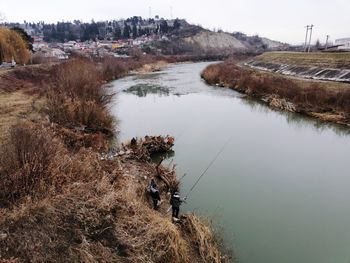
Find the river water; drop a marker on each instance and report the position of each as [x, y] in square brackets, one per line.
[280, 190]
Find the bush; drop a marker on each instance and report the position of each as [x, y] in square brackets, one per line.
[25, 161]
[79, 79]
[113, 68]
[78, 113]
[77, 97]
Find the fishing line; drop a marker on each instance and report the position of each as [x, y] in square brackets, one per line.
[207, 168]
[204, 172]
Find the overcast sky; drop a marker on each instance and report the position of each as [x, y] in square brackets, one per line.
[282, 20]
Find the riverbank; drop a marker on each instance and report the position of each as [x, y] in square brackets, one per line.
[62, 199]
[328, 101]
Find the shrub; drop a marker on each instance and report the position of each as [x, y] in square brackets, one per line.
[78, 113]
[25, 160]
[113, 68]
[78, 98]
[78, 79]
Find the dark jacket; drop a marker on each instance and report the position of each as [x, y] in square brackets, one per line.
[175, 201]
[155, 194]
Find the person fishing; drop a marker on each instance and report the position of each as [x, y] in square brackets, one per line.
[153, 190]
[175, 203]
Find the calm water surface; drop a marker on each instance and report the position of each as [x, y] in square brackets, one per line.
[279, 192]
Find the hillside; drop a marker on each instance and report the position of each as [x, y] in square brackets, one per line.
[159, 35]
[273, 44]
[208, 40]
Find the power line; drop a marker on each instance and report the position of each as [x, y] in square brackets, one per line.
[311, 26]
[327, 41]
[307, 32]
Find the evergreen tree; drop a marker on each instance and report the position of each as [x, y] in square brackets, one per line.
[126, 31]
[177, 24]
[164, 27]
[134, 31]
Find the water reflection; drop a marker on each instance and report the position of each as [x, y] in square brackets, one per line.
[297, 120]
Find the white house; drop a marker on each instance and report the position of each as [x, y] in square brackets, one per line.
[54, 53]
[344, 43]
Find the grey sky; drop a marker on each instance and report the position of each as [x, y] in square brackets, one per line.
[282, 20]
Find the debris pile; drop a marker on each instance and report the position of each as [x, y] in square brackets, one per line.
[146, 147]
[142, 149]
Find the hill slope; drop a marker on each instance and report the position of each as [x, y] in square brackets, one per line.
[208, 40]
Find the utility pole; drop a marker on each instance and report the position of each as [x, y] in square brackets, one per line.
[307, 32]
[310, 38]
[327, 42]
[171, 13]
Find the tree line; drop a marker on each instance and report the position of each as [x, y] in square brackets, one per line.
[133, 27]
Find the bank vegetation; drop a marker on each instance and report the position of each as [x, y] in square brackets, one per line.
[329, 101]
[62, 199]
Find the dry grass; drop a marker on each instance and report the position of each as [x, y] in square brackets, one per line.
[78, 226]
[15, 107]
[317, 59]
[201, 233]
[61, 203]
[25, 163]
[96, 219]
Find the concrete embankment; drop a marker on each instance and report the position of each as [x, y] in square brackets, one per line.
[308, 72]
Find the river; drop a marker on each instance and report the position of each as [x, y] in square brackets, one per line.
[280, 190]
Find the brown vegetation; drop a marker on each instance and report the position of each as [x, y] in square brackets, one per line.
[77, 98]
[62, 202]
[306, 96]
[12, 46]
[15, 106]
[25, 163]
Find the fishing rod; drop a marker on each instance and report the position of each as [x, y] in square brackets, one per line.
[207, 168]
[182, 177]
[205, 171]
